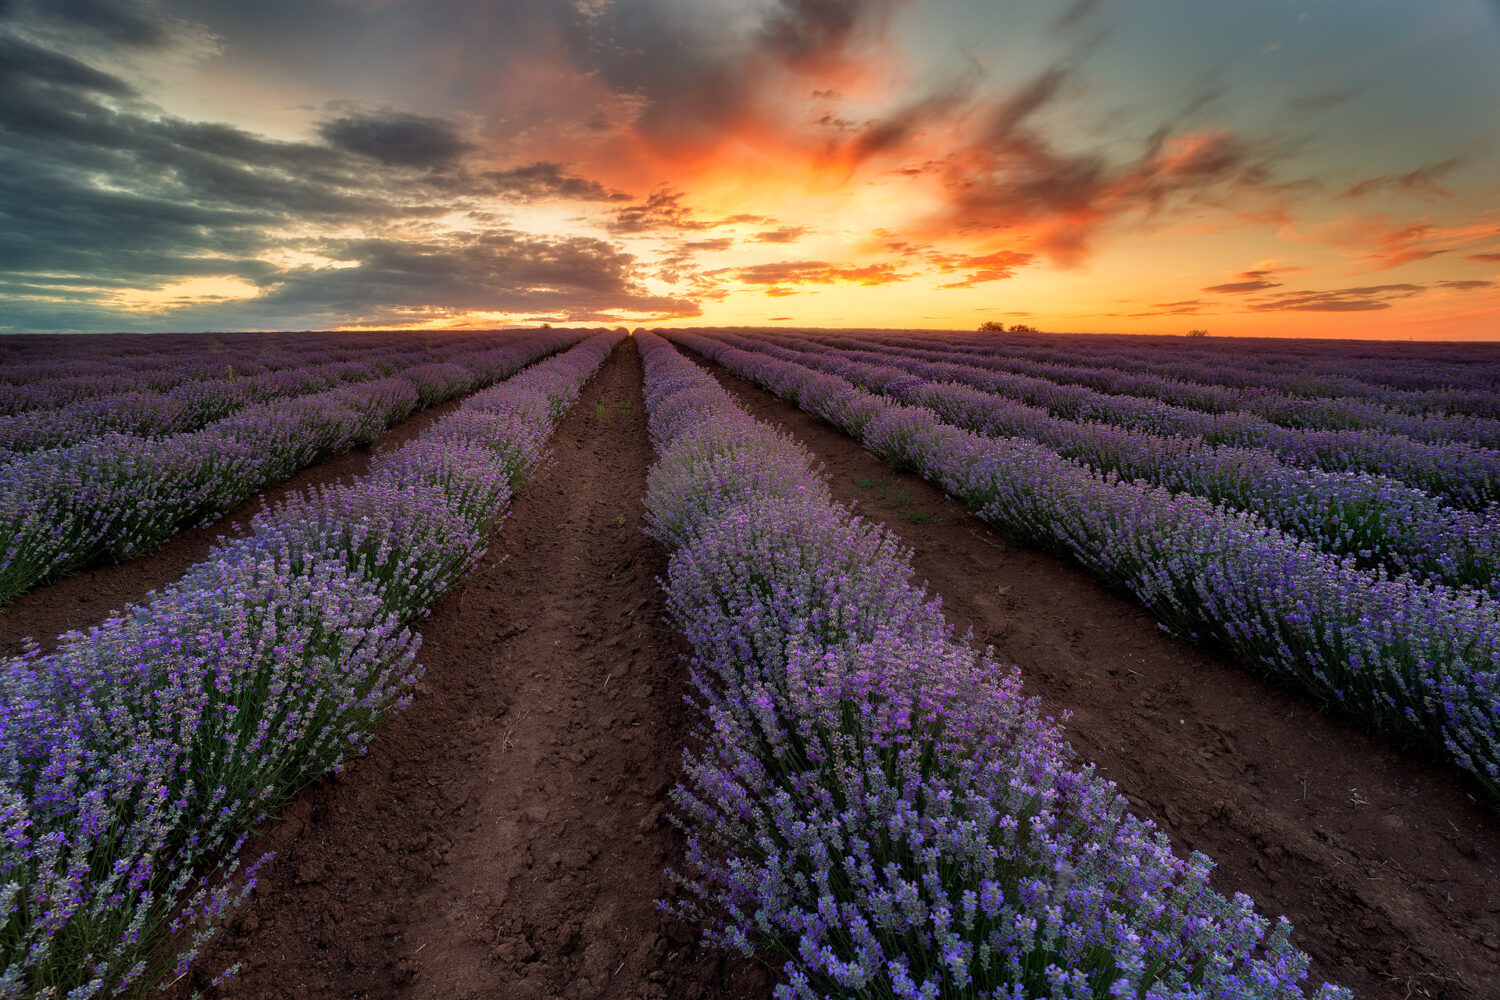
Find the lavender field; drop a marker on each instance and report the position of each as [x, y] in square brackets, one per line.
[862, 795]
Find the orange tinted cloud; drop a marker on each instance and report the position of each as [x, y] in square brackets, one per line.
[1242, 286]
[786, 234]
[1363, 299]
[781, 274]
[664, 209]
[1002, 170]
[982, 267]
[1383, 243]
[1422, 180]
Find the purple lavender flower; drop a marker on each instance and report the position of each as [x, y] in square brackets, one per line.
[870, 800]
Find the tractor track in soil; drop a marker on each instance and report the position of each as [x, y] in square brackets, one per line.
[505, 835]
[1387, 866]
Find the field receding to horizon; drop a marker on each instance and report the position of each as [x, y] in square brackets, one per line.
[748, 662]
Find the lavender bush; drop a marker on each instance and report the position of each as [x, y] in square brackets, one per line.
[873, 803]
[117, 496]
[1415, 660]
[1426, 378]
[157, 406]
[134, 759]
[1287, 409]
[1377, 520]
[1461, 472]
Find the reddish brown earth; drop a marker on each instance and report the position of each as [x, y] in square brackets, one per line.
[89, 597]
[505, 836]
[1388, 867]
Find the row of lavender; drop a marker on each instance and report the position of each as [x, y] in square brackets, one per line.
[135, 757]
[194, 391]
[1416, 660]
[871, 803]
[1373, 520]
[119, 495]
[1246, 406]
[1463, 474]
[65, 368]
[1419, 378]
[43, 373]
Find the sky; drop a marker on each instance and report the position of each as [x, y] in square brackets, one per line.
[1325, 168]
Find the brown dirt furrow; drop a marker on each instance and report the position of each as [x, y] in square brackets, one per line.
[89, 597]
[1389, 867]
[505, 836]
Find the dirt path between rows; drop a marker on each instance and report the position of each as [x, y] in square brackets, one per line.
[504, 837]
[89, 597]
[1389, 868]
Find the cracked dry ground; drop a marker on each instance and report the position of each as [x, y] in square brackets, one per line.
[504, 837]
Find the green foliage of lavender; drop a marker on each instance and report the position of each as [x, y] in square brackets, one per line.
[871, 803]
[1413, 659]
[135, 758]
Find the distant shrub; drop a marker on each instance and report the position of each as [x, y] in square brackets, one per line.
[1023, 328]
[1200, 332]
[990, 326]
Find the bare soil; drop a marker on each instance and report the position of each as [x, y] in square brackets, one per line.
[1387, 866]
[505, 836]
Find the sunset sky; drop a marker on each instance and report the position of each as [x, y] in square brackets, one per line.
[1277, 167]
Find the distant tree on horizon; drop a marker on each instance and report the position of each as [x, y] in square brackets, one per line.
[1199, 332]
[992, 326]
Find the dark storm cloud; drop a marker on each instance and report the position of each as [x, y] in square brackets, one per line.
[499, 271]
[23, 64]
[807, 33]
[101, 192]
[396, 138]
[134, 23]
[394, 281]
[695, 80]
